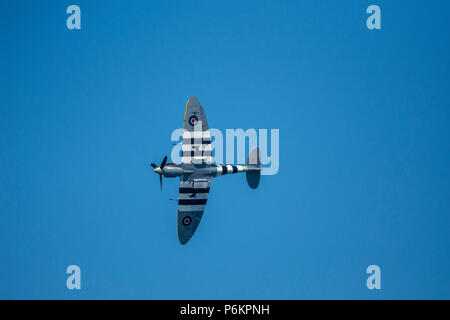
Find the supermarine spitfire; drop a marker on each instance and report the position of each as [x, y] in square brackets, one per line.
[197, 169]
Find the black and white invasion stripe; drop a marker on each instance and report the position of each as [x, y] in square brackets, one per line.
[193, 195]
[196, 146]
[229, 169]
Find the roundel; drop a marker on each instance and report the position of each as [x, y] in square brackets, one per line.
[193, 120]
[186, 221]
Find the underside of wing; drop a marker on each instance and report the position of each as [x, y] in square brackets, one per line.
[196, 147]
[191, 204]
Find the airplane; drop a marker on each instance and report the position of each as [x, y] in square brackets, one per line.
[197, 170]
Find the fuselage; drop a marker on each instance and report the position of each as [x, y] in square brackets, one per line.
[172, 170]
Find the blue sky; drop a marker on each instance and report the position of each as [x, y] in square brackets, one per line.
[364, 149]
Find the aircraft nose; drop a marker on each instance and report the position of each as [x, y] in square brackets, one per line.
[157, 170]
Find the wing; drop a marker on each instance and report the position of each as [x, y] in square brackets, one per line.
[196, 147]
[191, 204]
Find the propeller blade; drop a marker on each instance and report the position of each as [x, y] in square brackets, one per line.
[164, 162]
[153, 165]
[160, 180]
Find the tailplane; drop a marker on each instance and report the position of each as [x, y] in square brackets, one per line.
[253, 173]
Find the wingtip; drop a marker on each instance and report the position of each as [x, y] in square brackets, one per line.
[193, 100]
[183, 241]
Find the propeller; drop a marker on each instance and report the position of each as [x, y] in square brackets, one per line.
[159, 169]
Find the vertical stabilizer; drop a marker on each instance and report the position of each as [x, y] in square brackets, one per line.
[253, 173]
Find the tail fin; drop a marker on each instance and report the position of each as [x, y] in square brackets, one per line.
[253, 173]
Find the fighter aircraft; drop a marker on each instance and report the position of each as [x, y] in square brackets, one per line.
[197, 169]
